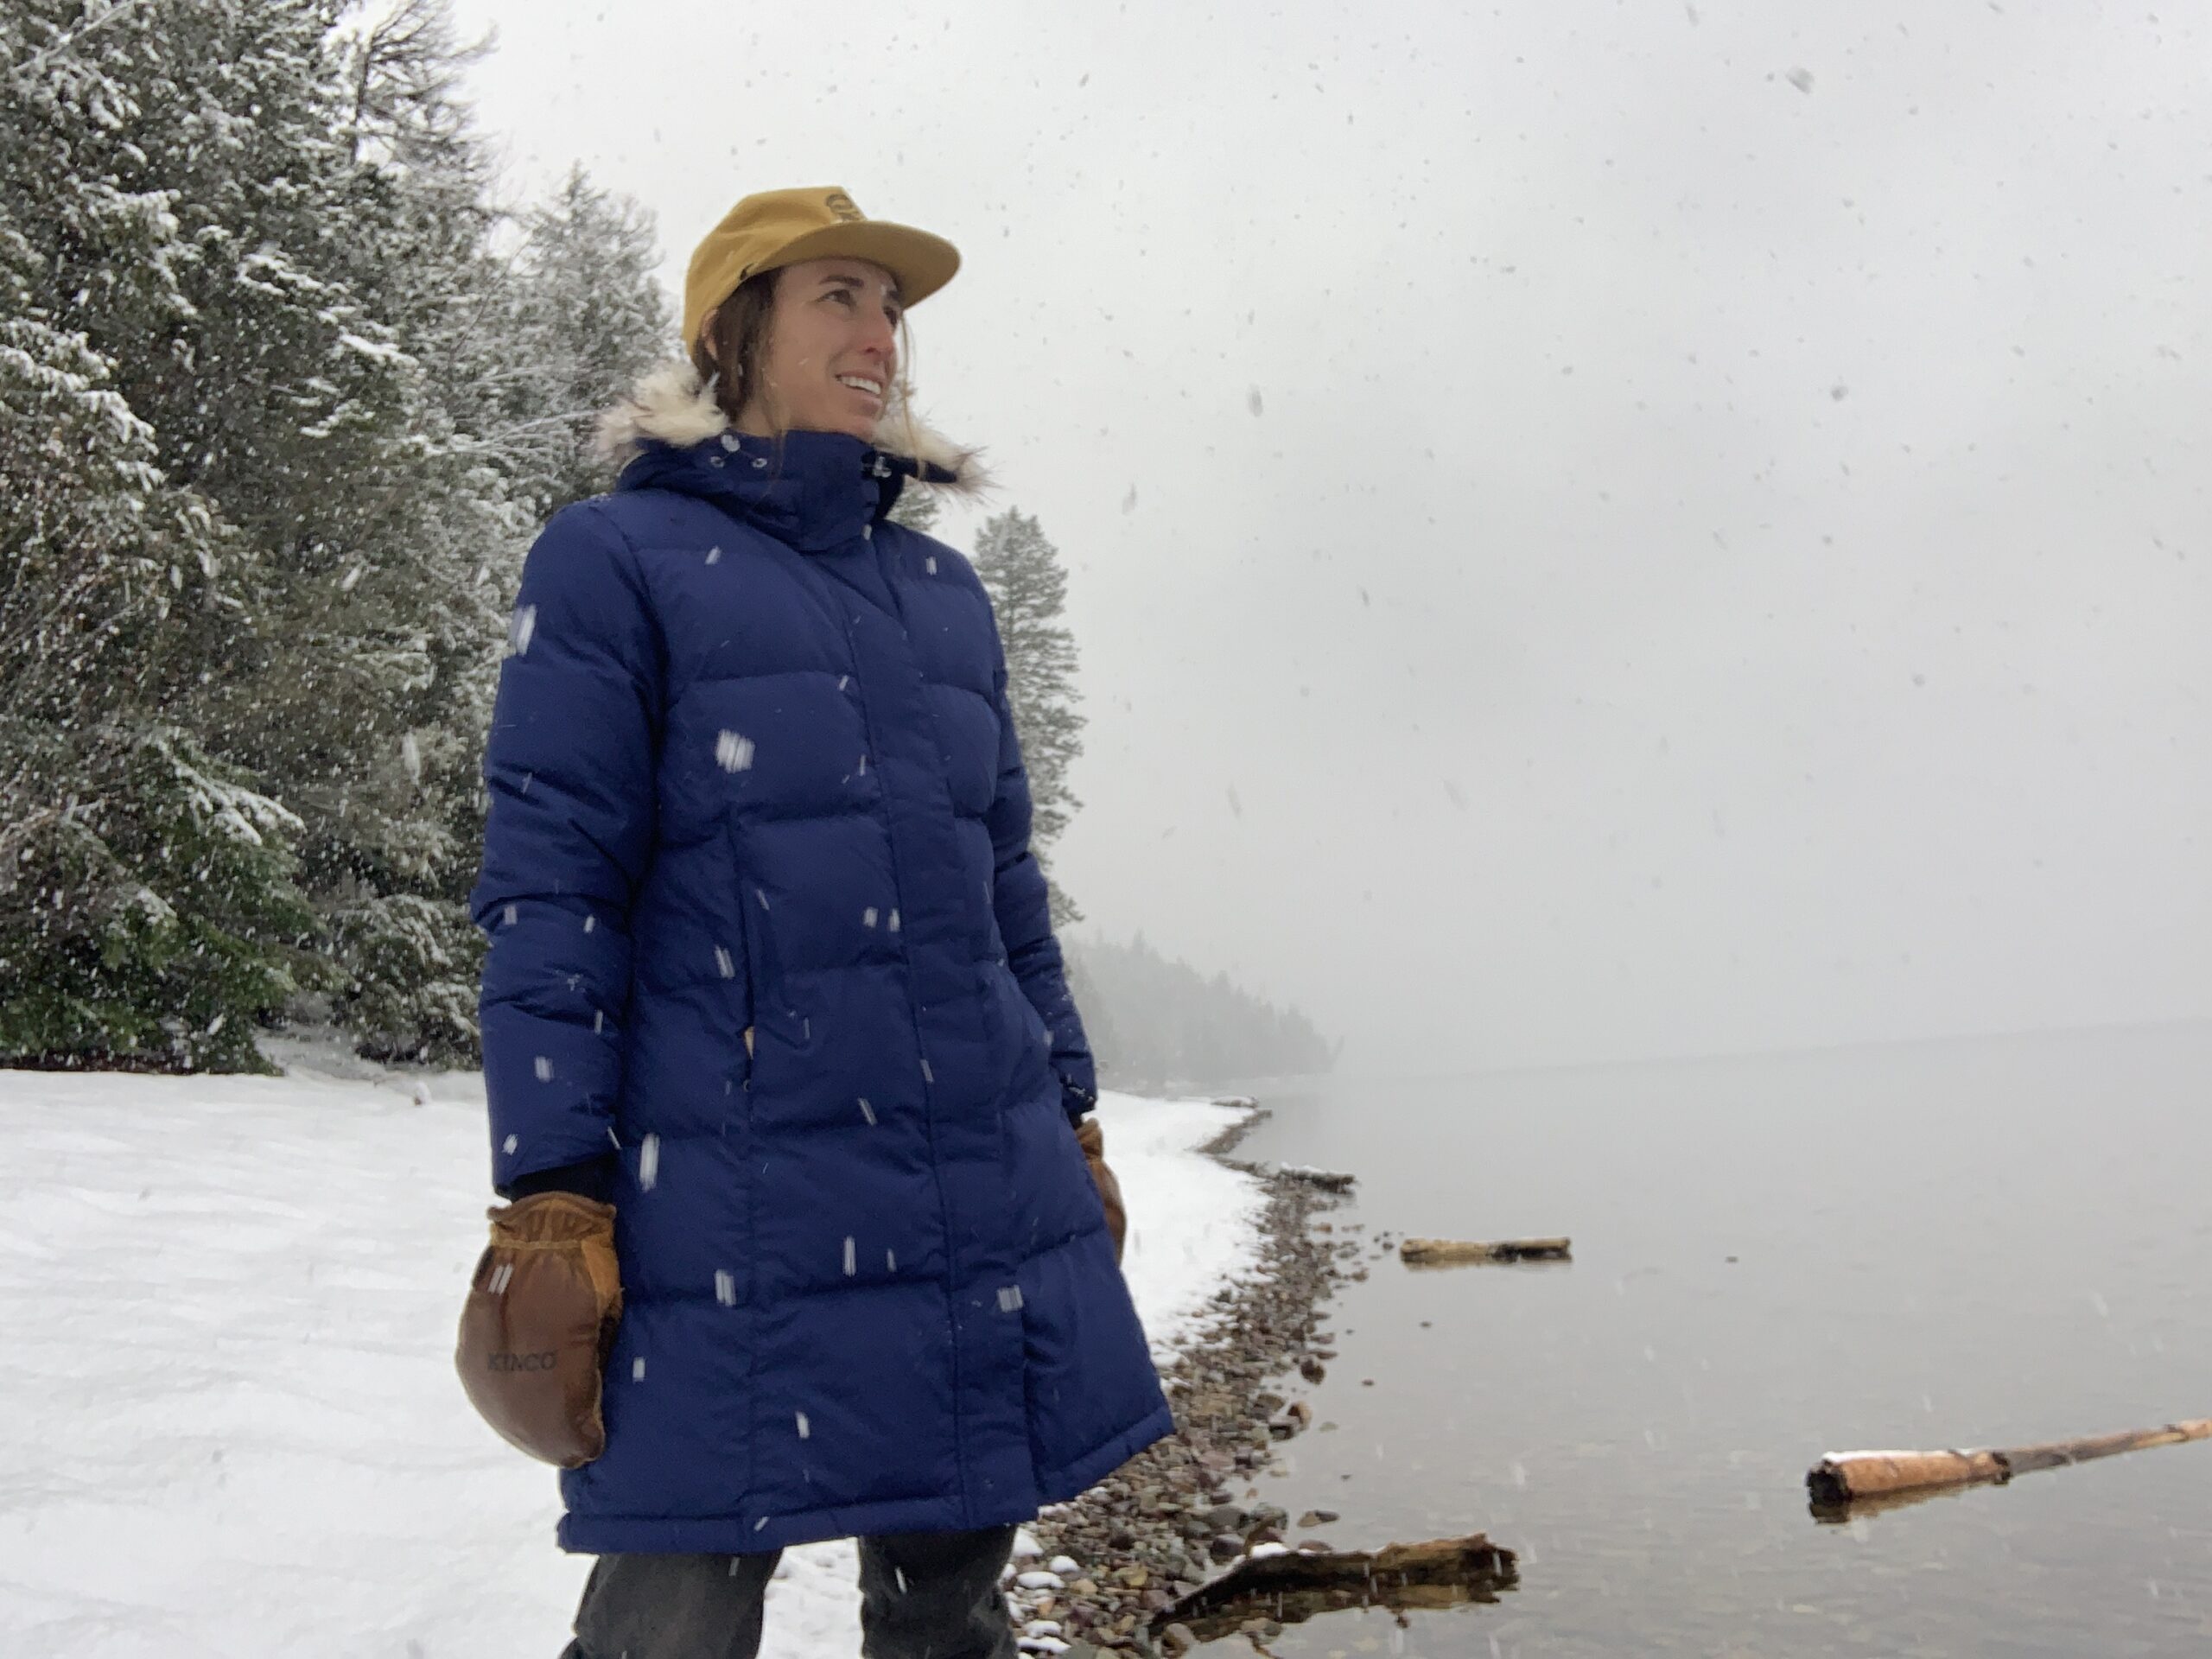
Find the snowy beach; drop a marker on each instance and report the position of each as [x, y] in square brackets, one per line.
[233, 1430]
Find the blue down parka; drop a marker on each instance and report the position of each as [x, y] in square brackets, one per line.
[764, 921]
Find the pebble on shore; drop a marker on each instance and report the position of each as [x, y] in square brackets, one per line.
[1160, 1524]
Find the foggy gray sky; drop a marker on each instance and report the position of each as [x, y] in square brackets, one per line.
[1720, 559]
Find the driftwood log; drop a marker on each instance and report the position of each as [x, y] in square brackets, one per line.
[1453, 1252]
[1328, 1180]
[1841, 1477]
[1294, 1586]
[1829, 1514]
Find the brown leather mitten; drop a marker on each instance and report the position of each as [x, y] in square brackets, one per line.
[1092, 1140]
[538, 1325]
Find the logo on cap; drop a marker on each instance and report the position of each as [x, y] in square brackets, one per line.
[841, 205]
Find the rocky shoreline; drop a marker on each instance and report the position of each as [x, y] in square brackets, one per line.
[1165, 1521]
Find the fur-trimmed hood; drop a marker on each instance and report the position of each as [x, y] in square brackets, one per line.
[673, 406]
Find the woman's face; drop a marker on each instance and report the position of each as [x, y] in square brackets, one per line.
[831, 353]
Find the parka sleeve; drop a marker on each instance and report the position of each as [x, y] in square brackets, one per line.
[1018, 895]
[570, 770]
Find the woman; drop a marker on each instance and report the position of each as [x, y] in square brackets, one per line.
[770, 972]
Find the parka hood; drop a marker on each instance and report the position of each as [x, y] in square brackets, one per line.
[673, 407]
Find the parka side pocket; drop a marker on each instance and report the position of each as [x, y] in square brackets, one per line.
[768, 1009]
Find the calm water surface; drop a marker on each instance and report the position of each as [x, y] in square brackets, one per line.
[1982, 1242]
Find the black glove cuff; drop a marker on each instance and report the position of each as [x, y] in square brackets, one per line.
[593, 1178]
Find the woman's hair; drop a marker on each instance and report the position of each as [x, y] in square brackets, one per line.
[737, 331]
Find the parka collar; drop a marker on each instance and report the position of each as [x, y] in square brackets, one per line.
[811, 490]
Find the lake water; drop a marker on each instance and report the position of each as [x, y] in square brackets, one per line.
[1987, 1242]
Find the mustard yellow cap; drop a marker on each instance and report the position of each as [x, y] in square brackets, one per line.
[782, 227]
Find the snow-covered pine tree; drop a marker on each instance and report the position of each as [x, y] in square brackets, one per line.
[418, 588]
[916, 508]
[1029, 587]
[523, 330]
[171, 927]
[256, 315]
[1100, 1017]
[585, 317]
[148, 915]
[256, 278]
[312, 415]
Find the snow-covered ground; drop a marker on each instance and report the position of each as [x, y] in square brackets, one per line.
[229, 1423]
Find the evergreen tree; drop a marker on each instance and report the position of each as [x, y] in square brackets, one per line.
[169, 930]
[1028, 589]
[518, 351]
[587, 317]
[148, 913]
[1107, 1050]
[284, 392]
[313, 417]
[281, 403]
[916, 508]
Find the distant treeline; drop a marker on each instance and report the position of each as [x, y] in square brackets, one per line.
[1156, 1023]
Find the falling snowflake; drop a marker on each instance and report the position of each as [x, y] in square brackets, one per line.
[525, 626]
[544, 1068]
[724, 963]
[511, 1143]
[867, 917]
[733, 752]
[805, 1428]
[725, 1287]
[866, 1111]
[648, 1163]
[637, 1369]
[852, 1259]
[893, 922]
[1010, 1299]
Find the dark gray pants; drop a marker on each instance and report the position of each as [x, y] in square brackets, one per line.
[923, 1595]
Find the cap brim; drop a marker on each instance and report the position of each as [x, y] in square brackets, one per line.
[921, 263]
